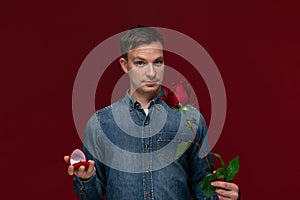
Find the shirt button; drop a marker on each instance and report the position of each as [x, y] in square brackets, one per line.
[146, 123]
[149, 194]
[147, 170]
[146, 146]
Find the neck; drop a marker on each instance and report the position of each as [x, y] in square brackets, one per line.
[145, 97]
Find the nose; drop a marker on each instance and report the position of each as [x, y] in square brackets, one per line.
[151, 73]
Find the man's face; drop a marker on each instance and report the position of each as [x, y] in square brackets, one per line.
[145, 66]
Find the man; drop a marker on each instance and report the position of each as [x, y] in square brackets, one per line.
[131, 144]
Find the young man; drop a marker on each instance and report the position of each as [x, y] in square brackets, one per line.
[131, 144]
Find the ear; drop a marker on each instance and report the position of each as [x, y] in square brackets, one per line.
[123, 64]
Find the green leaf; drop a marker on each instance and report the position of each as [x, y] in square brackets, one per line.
[188, 126]
[232, 169]
[181, 148]
[220, 158]
[176, 110]
[194, 121]
[221, 172]
[185, 108]
[206, 187]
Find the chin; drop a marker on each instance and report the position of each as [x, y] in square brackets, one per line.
[150, 89]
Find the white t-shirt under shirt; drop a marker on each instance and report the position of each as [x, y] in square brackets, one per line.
[146, 111]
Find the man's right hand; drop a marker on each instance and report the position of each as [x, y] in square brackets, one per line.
[82, 172]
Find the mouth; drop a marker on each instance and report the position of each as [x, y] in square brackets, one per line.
[151, 83]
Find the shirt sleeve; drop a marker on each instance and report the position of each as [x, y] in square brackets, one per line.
[198, 163]
[92, 188]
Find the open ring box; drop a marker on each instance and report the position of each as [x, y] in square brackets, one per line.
[77, 159]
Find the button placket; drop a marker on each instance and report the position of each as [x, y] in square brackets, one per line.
[147, 163]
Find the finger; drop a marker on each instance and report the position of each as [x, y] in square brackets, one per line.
[67, 159]
[222, 193]
[81, 172]
[223, 198]
[84, 173]
[91, 168]
[71, 170]
[227, 194]
[225, 185]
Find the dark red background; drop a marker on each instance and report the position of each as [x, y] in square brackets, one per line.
[255, 45]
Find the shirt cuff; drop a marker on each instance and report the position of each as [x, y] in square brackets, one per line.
[86, 183]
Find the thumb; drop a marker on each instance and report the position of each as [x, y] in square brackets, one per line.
[67, 159]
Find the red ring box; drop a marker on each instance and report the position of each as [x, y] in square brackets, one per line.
[77, 159]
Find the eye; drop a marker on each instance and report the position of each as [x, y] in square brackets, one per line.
[159, 63]
[139, 63]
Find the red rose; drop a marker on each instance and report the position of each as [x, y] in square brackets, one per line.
[182, 92]
[179, 97]
[170, 98]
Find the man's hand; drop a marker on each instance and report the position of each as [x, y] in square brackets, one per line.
[226, 190]
[82, 172]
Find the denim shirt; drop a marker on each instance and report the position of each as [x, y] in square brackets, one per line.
[138, 156]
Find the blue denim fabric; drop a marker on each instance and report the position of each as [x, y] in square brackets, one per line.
[150, 172]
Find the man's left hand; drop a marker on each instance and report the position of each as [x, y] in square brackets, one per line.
[226, 190]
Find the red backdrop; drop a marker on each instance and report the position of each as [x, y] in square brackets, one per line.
[255, 45]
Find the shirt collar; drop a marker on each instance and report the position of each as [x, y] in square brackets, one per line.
[133, 103]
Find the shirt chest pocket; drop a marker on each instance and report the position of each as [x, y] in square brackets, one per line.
[169, 144]
[165, 138]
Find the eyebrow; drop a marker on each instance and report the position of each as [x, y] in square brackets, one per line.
[143, 59]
